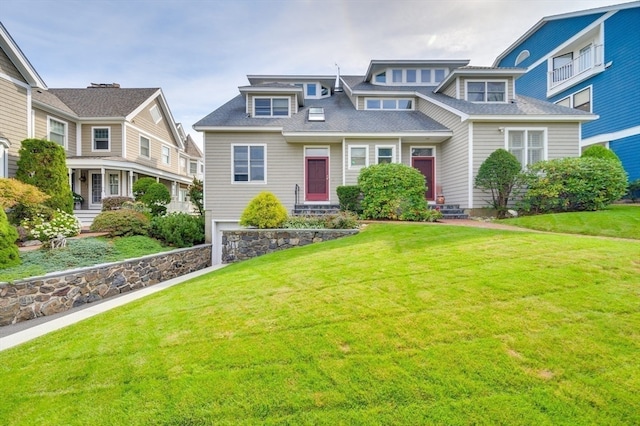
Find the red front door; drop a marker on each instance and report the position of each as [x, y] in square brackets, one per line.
[317, 179]
[426, 167]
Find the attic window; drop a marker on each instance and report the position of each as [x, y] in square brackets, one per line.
[316, 114]
[155, 114]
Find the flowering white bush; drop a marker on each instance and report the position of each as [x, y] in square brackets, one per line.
[62, 223]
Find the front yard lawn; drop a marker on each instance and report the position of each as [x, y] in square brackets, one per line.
[619, 220]
[400, 324]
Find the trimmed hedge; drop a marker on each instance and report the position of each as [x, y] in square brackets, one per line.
[264, 211]
[350, 197]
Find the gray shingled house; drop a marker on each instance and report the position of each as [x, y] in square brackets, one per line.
[302, 136]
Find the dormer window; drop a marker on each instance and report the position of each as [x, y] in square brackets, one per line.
[271, 107]
[486, 91]
[388, 104]
[316, 114]
[381, 77]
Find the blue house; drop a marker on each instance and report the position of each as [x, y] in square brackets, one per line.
[588, 60]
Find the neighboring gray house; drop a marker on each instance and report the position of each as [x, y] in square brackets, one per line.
[301, 137]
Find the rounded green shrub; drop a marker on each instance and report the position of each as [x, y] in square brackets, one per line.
[9, 253]
[499, 175]
[573, 184]
[599, 151]
[391, 191]
[264, 211]
[42, 164]
[178, 229]
[121, 223]
[141, 185]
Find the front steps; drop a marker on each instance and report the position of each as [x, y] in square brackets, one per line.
[450, 211]
[315, 209]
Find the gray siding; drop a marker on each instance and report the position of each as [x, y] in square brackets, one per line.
[14, 117]
[284, 170]
[452, 162]
[562, 141]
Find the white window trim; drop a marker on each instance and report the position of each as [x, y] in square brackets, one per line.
[65, 136]
[413, 104]
[93, 139]
[366, 157]
[394, 158]
[485, 81]
[249, 182]
[545, 148]
[419, 82]
[571, 97]
[168, 162]
[271, 98]
[190, 172]
[108, 184]
[432, 147]
[4, 154]
[148, 148]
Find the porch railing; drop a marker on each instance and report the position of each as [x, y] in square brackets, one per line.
[589, 58]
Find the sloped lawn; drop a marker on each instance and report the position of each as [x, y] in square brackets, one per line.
[401, 324]
[622, 221]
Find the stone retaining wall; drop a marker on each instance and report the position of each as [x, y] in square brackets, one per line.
[58, 292]
[243, 244]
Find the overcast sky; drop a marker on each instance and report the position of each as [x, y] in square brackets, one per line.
[200, 51]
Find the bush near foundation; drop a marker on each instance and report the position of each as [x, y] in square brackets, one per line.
[350, 197]
[178, 229]
[392, 191]
[573, 184]
[264, 211]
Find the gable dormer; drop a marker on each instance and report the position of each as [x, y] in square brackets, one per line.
[410, 72]
[481, 84]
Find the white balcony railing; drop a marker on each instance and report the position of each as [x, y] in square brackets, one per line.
[588, 60]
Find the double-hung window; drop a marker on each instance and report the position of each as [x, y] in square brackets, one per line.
[358, 157]
[385, 154]
[58, 132]
[249, 163]
[527, 145]
[100, 138]
[166, 155]
[193, 168]
[486, 91]
[144, 147]
[271, 107]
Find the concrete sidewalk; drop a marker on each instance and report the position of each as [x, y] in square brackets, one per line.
[16, 334]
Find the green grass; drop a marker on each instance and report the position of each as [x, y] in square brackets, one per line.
[401, 324]
[79, 253]
[622, 221]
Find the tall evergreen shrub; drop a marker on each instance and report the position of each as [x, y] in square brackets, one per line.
[499, 175]
[42, 164]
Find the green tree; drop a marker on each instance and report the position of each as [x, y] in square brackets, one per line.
[42, 164]
[264, 211]
[196, 194]
[499, 174]
[153, 194]
[9, 253]
[392, 191]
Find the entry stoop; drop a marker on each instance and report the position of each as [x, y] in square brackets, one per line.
[450, 211]
[315, 209]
